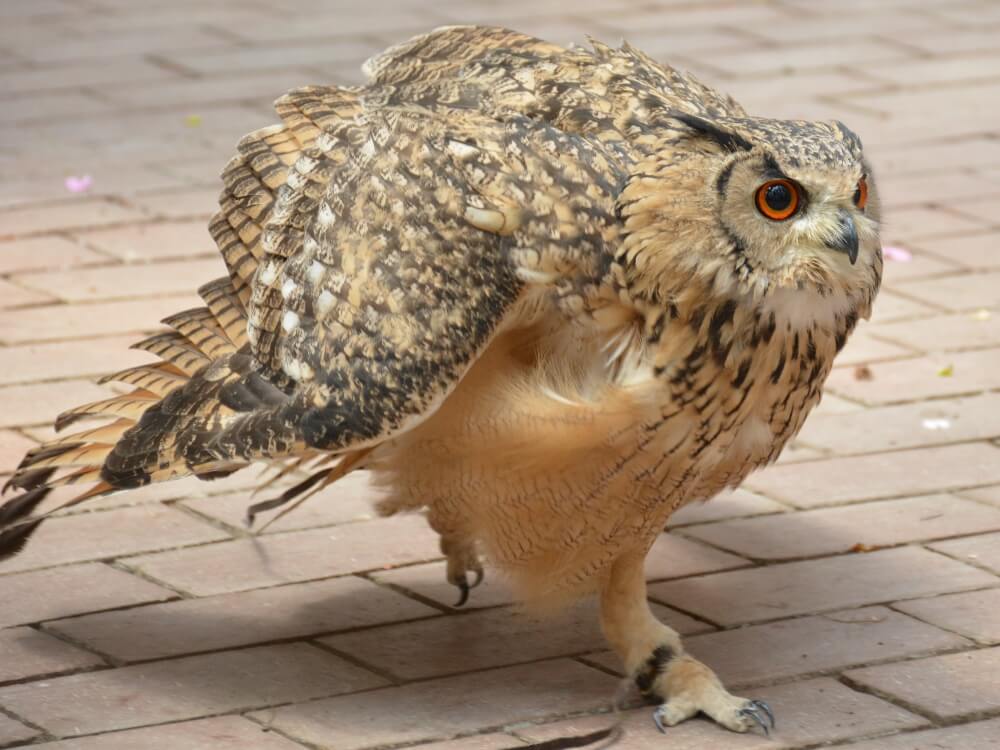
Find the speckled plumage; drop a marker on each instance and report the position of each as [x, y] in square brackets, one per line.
[527, 288]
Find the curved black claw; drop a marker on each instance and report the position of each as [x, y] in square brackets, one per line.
[463, 587]
[759, 712]
[479, 578]
[658, 721]
[766, 709]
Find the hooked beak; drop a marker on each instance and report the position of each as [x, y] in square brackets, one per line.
[846, 240]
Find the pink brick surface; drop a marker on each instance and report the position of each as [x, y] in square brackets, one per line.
[186, 688]
[441, 708]
[70, 590]
[793, 588]
[823, 531]
[31, 653]
[115, 533]
[166, 581]
[219, 733]
[295, 556]
[945, 687]
[231, 620]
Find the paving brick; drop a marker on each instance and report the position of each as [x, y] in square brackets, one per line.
[920, 265]
[350, 26]
[232, 620]
[86, 47]
[217, 733]
[833, 404]
[262, 88]
[351, 499]
[959, 292]
[15, 295]
[729, 504]
[39, 403]
[823, 54]
[979, 734]
[969, 250]
[109, 534]
[989, 495]
[672, 556]
[946, 332]
[288, 57]
[934, 376]
[474, 742]
[445, 707]
[26, 109]
[14, 731]
[429, 580]
[862, 347]
[889, 306]
[905, 425]
[975, 614]
[944, 687]
[119, 282]
[808, 713]
[912, 224]
[294, 556]
[51, 253]
[52, 322]
[77, 213]
[91, 73]
[916, 190]
[13, 446]
[830, 530]
[63, 592]
[185, 688]
[879, 475]
[68, 359]
[178, 204]
[982, 550]
[140, 242]
[31, 653]
[810, 586]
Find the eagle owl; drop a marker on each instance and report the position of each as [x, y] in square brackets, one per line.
[546, 296]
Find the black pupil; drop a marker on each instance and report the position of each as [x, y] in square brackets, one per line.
[778, 197]
[857, 196]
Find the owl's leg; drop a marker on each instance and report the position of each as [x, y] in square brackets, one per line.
[654, 656]
[462, 559]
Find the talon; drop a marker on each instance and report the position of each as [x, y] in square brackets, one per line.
[752, 713]
[658, 721]
[479, 577]
[463, 586]
[766, 709]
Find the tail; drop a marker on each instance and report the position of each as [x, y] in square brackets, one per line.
[159, 431]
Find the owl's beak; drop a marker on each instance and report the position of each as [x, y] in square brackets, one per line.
[846, 240]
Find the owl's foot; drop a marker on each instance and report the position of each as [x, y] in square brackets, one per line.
[462, 559]
[686, 687]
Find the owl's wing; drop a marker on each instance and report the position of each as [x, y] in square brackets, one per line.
[419, 248]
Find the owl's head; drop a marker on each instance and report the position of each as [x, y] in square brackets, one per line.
[758, 208]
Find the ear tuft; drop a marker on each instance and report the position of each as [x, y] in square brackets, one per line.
[729, 140]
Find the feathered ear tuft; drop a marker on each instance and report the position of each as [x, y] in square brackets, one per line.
[729, 140]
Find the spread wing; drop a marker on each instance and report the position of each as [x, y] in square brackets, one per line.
[375, 242]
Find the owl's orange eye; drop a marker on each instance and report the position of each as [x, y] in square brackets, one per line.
[778, 199]
[861, 194]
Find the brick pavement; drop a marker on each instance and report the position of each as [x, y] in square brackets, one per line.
[152, 620]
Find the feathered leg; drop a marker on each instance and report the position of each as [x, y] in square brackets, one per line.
[654, 656]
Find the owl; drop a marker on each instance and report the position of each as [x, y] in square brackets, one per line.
[545, 296]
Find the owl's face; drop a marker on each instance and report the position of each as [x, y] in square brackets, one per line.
[798, 208]
[790, 209]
